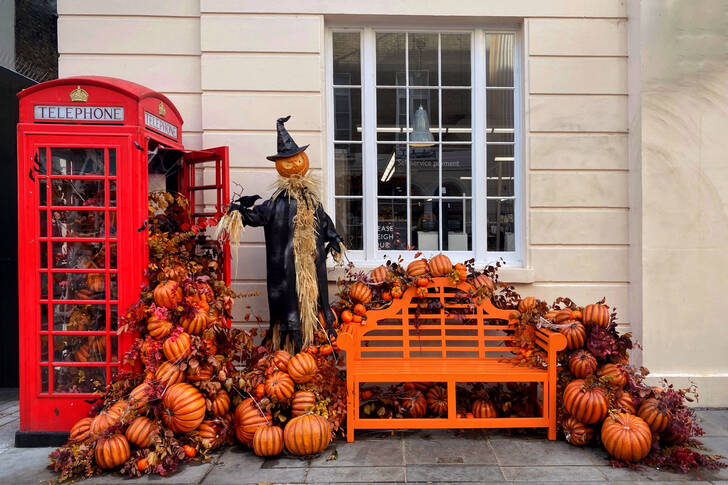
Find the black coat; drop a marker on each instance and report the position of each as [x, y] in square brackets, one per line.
[277, 218]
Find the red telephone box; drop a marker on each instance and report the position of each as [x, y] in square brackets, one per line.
[90, 149]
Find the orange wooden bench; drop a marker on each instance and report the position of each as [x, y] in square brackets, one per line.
[397, 345]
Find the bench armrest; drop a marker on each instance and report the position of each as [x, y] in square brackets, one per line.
[556, 341]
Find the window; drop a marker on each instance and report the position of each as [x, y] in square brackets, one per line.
[424, 142]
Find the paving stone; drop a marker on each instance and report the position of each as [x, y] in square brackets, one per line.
[553, 473]
[519, 451]
[8, 418]
[448, 451]
[362, 453]
[188, 474]
[25, 465]
[655, 475]
[713, 422]
[282, 461]
[237, 466]
[453, 473]
[715, 445]
[11, 407]
[438, 434]
[7, 434]
[355, 474]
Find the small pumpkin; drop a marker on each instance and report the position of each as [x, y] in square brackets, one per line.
[159, 328]
[195, 321]
[482, 281]
[279, 385]
[462, 272]
[108, 417]
[280, 359]
[209, 434]
[582, 363]
[379, 274]
[295, 165]
[139, 397]
[596, 314]
[307, 435]
[625, 402]
[440, 265]
[248, 419]
[302, 402]
[141, 432]
[616, 378]
[169, 374]
[176, 272]
[204, 291]
[576, 432]
[483, 408]
[417, 404]
[526, 304]
[437, 400]
[112, 451]
[655, 413]
[80, 430]
[417, 267]
[562, 315]
[302, 367]
[177, 347]
[96, 282]
[83, 354]
[626, 437]
[360, 292]
[575, 334]
[268, 441]
[587, 404]
[184, 408]
[199, 373]
[168, 294]
[221, 403]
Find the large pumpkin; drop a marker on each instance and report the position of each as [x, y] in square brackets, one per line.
[169, 374]
[616, 378]
[582, 363]
[417, 267]
[195, 321]
[481, 281]
[81, 430]
[302, 367]
[295, 165]
[379, 274]
[576, 432]
[184, 408]
[417, 404]
[483, 408]
[168, 294]
[159, 328]
[575, 334]
[597, 315]
[280, 359]
[360, 292]
[307, 435]
[626, 437]
[109, 417]
[587, 404]
[625, 402]
[440, 265]
[248, 418]
[268, 441]
[528, 303]
[177, 347]
[279, 385]
[112, 451]
[141, 432]
[655, 413]
[139, 397]
[302, 402]
[221, 403]
[563, 315]
[437, 400]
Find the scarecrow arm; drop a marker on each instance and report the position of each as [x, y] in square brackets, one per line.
[258, 215]
[328, 230]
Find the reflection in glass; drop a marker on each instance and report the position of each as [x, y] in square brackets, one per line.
[44, 286]
[499, 121]
[422, 50]
[40, 161]
[78, 224]
[456, 170]
[455, 58]
[456, 227]
[44, 379]
[346, 58]
[499, 59]
[391, 170]
[44, 348]
[78, 379]
[79, 318]
[392, 224]
[114, 348]
[391, 114]
[112, 161]
[43, 224]
[500, 170]
[112, 255]
[89, 193]
[501, 227]
[76, 348]
[427, 100]
[390, 58]
[42, 192]
[347, 114]
[349, 222]
[78, 255]
[114, 291]
[114, 318]
[44, 316]
[424, 171]
[425, 224]
[112, 193]
[348, 169]
[43, 254]
[79, 286]
[456, 120]
[77, 161]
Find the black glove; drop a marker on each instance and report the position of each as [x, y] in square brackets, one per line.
[248, 200]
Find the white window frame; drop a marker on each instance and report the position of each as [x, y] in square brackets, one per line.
[370, 255]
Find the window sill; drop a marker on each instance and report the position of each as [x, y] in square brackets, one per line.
[507, 274]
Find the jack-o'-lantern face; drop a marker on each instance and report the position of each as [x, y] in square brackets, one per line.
[294, 165]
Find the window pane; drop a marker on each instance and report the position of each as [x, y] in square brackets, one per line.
[392, 170]
[456, 224]
[501, 232]
[88, 193]
[392, 224]
[348, 169]
[112, 193]
[424, 171]
[112, 162]
[77, 161]
[43, 255]
[78, 255]
[42, 192]
[44, 317]
[456, 170]
[40, 160]
[424, 116]
[456, 119]
[347, 114]
[390, 58]
[425, 225]
[422, 50]
[500, 170]
[499, 59]
[499, 125]
[78, 379]
[43, 224]
[391, 114]
[72, 348]
[78, 224]
[44, 348]
[455, 58]
[79, 318]
[347, 64]
[79, 286]
[349, 222]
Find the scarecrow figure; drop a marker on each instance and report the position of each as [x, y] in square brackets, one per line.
[298, 237]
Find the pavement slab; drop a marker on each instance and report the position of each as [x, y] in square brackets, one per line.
[362, 453]
[453, 473]
[449, 451]
[529, 452]
[552, 473]
[356, 474]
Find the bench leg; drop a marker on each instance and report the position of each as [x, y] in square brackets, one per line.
[550, 408]
[352, 408]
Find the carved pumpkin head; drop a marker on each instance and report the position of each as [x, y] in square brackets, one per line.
[295, 165]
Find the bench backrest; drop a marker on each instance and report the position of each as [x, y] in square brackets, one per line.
[445, 323]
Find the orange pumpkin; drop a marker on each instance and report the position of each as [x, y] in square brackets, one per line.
[379, 274]
[307, 435]
[655, 413]
[302, 367]
[575, 334]
[280, 359]
[462, 271]
[582, 363]
[209, 434]
[626, 437]
[176, 272]
[199, 373]
[562, 315]
[437, 400]
[616, 378]
[221, 403]
[483, 408]
[108, 417]
[141, 432]
[139, 397]
[159, 328]
[576, 432]
[268, 441]
[295, 165]
[528, 303]
[417, 267]
[481, 281]
[83, 354]
[168, 294]
[302, 402]
[360, 292]
[279, 385]
[177, 347]
[96, 282]
[112, 451]
[169, 374]
[417, 404]
[81, 430]
[203, 291]
[248, 419]
[195, 321]
[184, 408]
[587, 404]
[210, 346]
[596, 315]
[440, 265]
[625, 402]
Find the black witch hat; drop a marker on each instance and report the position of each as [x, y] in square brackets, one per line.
[286, 146]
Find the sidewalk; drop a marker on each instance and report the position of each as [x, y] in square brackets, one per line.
[409, 457]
